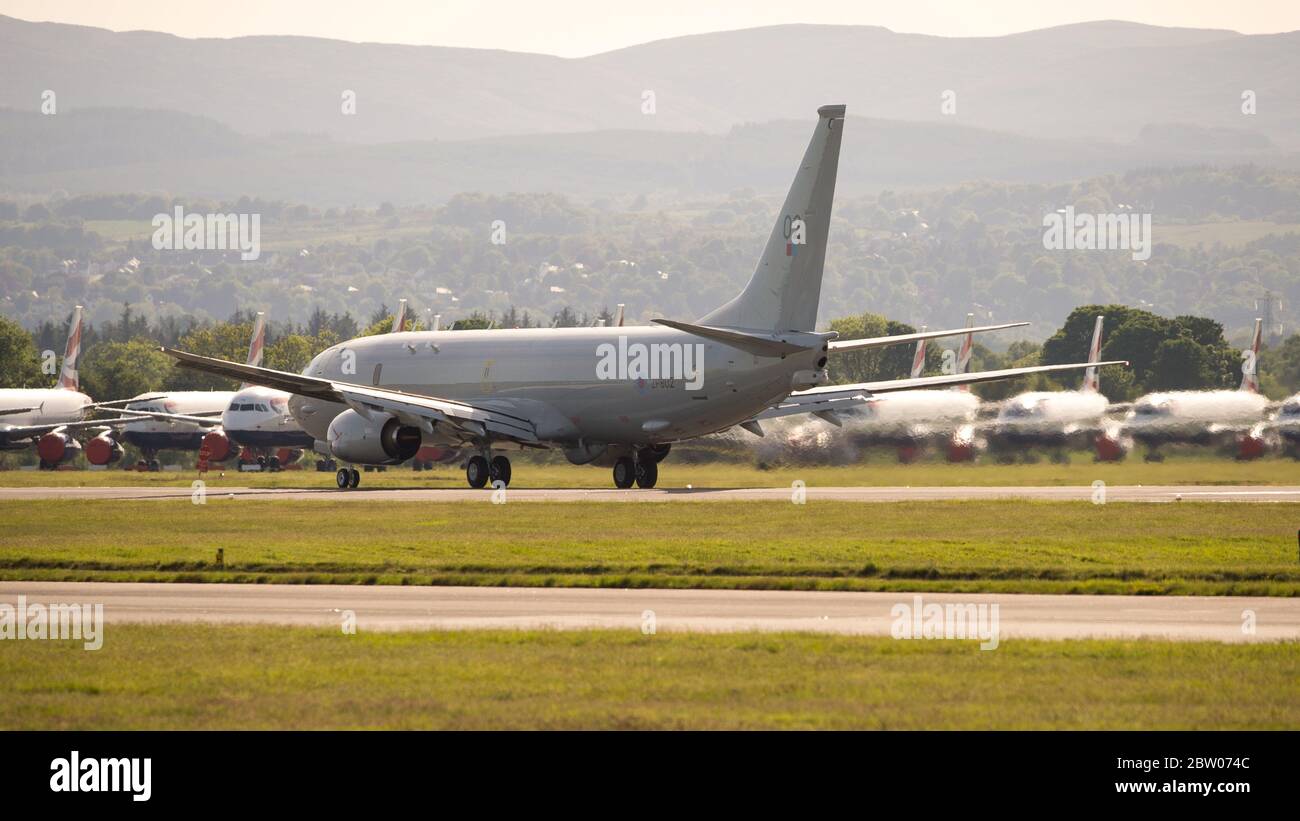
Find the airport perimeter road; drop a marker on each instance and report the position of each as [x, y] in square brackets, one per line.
[1214, 618]
[1114, 493]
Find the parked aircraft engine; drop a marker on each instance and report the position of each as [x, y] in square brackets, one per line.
[57, 447]
[1251, 445]
[103, 450]
[962, 445]
[380, 440]
[219, 445]
[1110, 447]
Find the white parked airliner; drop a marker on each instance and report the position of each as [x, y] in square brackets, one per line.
[1057, 419]
[49, 416]
[1228, 419]
[176, 420]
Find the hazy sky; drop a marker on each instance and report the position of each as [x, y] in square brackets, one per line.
[573, 28]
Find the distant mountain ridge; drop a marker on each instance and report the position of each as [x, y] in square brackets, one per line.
[121, 150]
[1103, 80]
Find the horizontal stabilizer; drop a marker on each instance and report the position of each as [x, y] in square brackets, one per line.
[757, 344]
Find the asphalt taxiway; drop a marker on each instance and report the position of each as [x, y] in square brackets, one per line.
[1113, 493]
[378, 607]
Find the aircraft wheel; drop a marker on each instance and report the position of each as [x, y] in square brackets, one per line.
[500, 470]
[476, 471]
[273, 464]
[624, 473]
[647, 474]
[343, 478]
[354, 477]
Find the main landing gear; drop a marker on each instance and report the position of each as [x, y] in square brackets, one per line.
[642, 470]
[479, 472]
[347, 478]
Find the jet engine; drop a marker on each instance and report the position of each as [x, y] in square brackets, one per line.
[103, 450]
[57, 447]
[1110, 448]
[219, 445]
[1251, 445]
[380, 440]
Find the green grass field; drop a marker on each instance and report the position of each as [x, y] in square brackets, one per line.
[1082, 472]
[166, 676]
[992, 546]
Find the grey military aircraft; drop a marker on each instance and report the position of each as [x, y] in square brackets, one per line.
[618, 397]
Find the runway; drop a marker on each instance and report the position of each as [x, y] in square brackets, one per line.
[1113, 493]
[1186, 618]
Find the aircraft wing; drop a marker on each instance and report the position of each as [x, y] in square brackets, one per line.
[414, 409]
[841, 345]
[312, 386]
[423, 411]
[17, 433]
[892, 385]
[162, 416]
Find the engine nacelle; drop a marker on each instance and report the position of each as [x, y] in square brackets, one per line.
[1109, 448]
[960, 450]
[219, 445]
[380, 440]
[103, 450]
[57, 447]
[586, 453]
[1250, 446]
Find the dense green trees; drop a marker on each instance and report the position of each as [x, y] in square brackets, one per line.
[20, 365]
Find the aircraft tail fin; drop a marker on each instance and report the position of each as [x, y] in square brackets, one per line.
[786, 286]
[399, 318]
[1250, 367]
[964, 355]
[918, 360]
[68, 378]
[256, 343]
[1091, 378]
